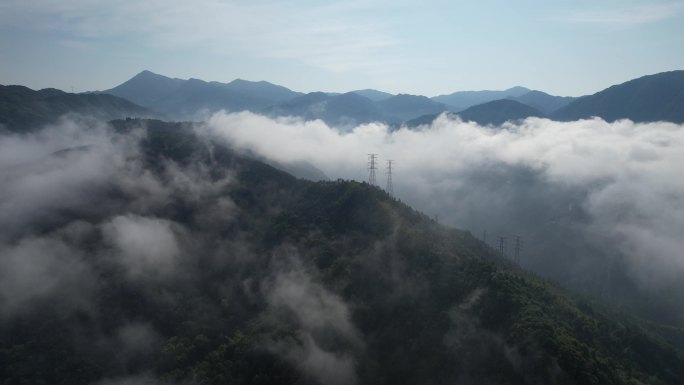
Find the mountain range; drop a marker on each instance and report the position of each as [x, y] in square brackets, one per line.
[650, 98]
[194, 98]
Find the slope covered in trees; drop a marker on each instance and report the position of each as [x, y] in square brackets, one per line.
[22, 108]
[178, 259]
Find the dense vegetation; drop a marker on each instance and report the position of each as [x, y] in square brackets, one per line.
[276, 280]
[22, 108]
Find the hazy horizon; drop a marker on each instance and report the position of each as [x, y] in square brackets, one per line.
[397, 47]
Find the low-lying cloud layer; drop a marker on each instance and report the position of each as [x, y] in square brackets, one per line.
[581, 194]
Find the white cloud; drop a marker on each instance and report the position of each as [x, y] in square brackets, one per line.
[626, 176]
[336, 37]
[42, 268]
[318, 312]
[58, 168]
[145, 245]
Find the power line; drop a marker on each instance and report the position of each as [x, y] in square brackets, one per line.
[502, 246]
[371, 168]
[390, 187]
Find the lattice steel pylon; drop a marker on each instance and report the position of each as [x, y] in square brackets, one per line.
[372, 158]
[390, 186]
[518, 248]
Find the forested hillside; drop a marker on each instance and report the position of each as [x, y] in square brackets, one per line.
[165, 256]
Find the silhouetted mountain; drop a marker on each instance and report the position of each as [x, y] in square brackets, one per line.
[498, 111]
[426, 120]
[544, 102]
[146, 88]
[344, 110]
[187, 99]
[22, 108]
[261, 90]
[646, 99]
[201, 265]
[463, 99]
[495, 113]
[404, 107]
[349, 109]
[651, 98]
[373, 95]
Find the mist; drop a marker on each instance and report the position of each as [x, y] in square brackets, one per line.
[103, 222]
[92, 220]
[591, 200]
[326, 339]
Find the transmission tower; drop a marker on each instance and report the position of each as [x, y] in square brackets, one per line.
[372, 158]
[502, 246]
[518, 248]
[390, 187]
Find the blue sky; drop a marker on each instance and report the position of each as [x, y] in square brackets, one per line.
[428, 47]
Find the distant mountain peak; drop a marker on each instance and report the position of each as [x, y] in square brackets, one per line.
[373, 95]
[495, 112]
[185, 99]
[246, 82]
[147, 74]
[461, 100]
[239, 81]
[518, 89]
[405, 106]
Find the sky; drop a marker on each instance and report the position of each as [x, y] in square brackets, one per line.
[431, 47]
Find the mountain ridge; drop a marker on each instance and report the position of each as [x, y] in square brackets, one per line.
[342, 110]
[545, 103]
[461, 100]
[649, 98]
[495, 113]
[402, 107]
[183, 99]
[646, 99]
[24, 109]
